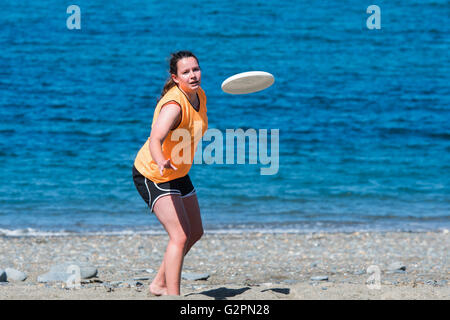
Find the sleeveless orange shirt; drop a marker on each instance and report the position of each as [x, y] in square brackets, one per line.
[181, 143]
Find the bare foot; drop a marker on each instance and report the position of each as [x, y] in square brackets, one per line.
[158, 290]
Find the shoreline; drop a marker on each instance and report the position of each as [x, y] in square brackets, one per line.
[158, 230]
[253, 265]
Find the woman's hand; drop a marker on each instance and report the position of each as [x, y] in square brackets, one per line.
[165, 164]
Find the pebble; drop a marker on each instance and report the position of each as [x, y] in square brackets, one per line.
[396, 266]
[86, 270]
[58, 272]
[3, 276]
[319, 278]
[194, 276]
[433, 283]
[53, 277]
[15, 275]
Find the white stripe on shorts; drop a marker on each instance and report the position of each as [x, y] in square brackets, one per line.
[149, 195]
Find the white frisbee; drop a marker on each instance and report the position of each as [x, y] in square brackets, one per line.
[248, 82]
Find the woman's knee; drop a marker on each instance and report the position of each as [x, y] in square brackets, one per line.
[180, 239]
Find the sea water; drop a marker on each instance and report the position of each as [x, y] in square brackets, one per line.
[363, 114]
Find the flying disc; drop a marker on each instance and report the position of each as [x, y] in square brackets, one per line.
[248, 82]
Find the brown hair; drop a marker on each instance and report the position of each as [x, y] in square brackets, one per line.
[174, 58]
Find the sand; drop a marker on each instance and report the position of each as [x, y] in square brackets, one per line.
[261, 266]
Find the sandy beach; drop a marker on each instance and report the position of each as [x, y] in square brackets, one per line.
[260, 266]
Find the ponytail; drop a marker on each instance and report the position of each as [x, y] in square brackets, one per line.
[167, 86]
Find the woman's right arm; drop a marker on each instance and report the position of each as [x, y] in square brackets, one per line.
[168, 118]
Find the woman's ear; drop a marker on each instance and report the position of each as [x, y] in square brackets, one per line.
[174, 78]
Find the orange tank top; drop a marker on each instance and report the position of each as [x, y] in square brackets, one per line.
[181, 143]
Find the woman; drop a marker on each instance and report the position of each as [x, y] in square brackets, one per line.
[163, 183]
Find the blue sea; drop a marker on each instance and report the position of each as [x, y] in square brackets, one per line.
[363, 114]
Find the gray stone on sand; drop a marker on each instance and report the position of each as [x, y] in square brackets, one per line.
[195, 276]
[433, 283]
[53, 277]
[86, 270]
[59, 272]
[2, 276]
[319, 278]
[396, 266]
[15, 275]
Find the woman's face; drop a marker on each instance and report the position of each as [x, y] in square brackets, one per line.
[188, 75]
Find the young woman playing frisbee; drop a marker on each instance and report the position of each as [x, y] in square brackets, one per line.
[164, 183]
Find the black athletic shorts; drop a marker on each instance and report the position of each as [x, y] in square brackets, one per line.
[151, 191]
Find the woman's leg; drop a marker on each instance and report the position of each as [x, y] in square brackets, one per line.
[170, 212]
[195, 221]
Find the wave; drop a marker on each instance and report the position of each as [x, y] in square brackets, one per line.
[264, 228]
[30, 232]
